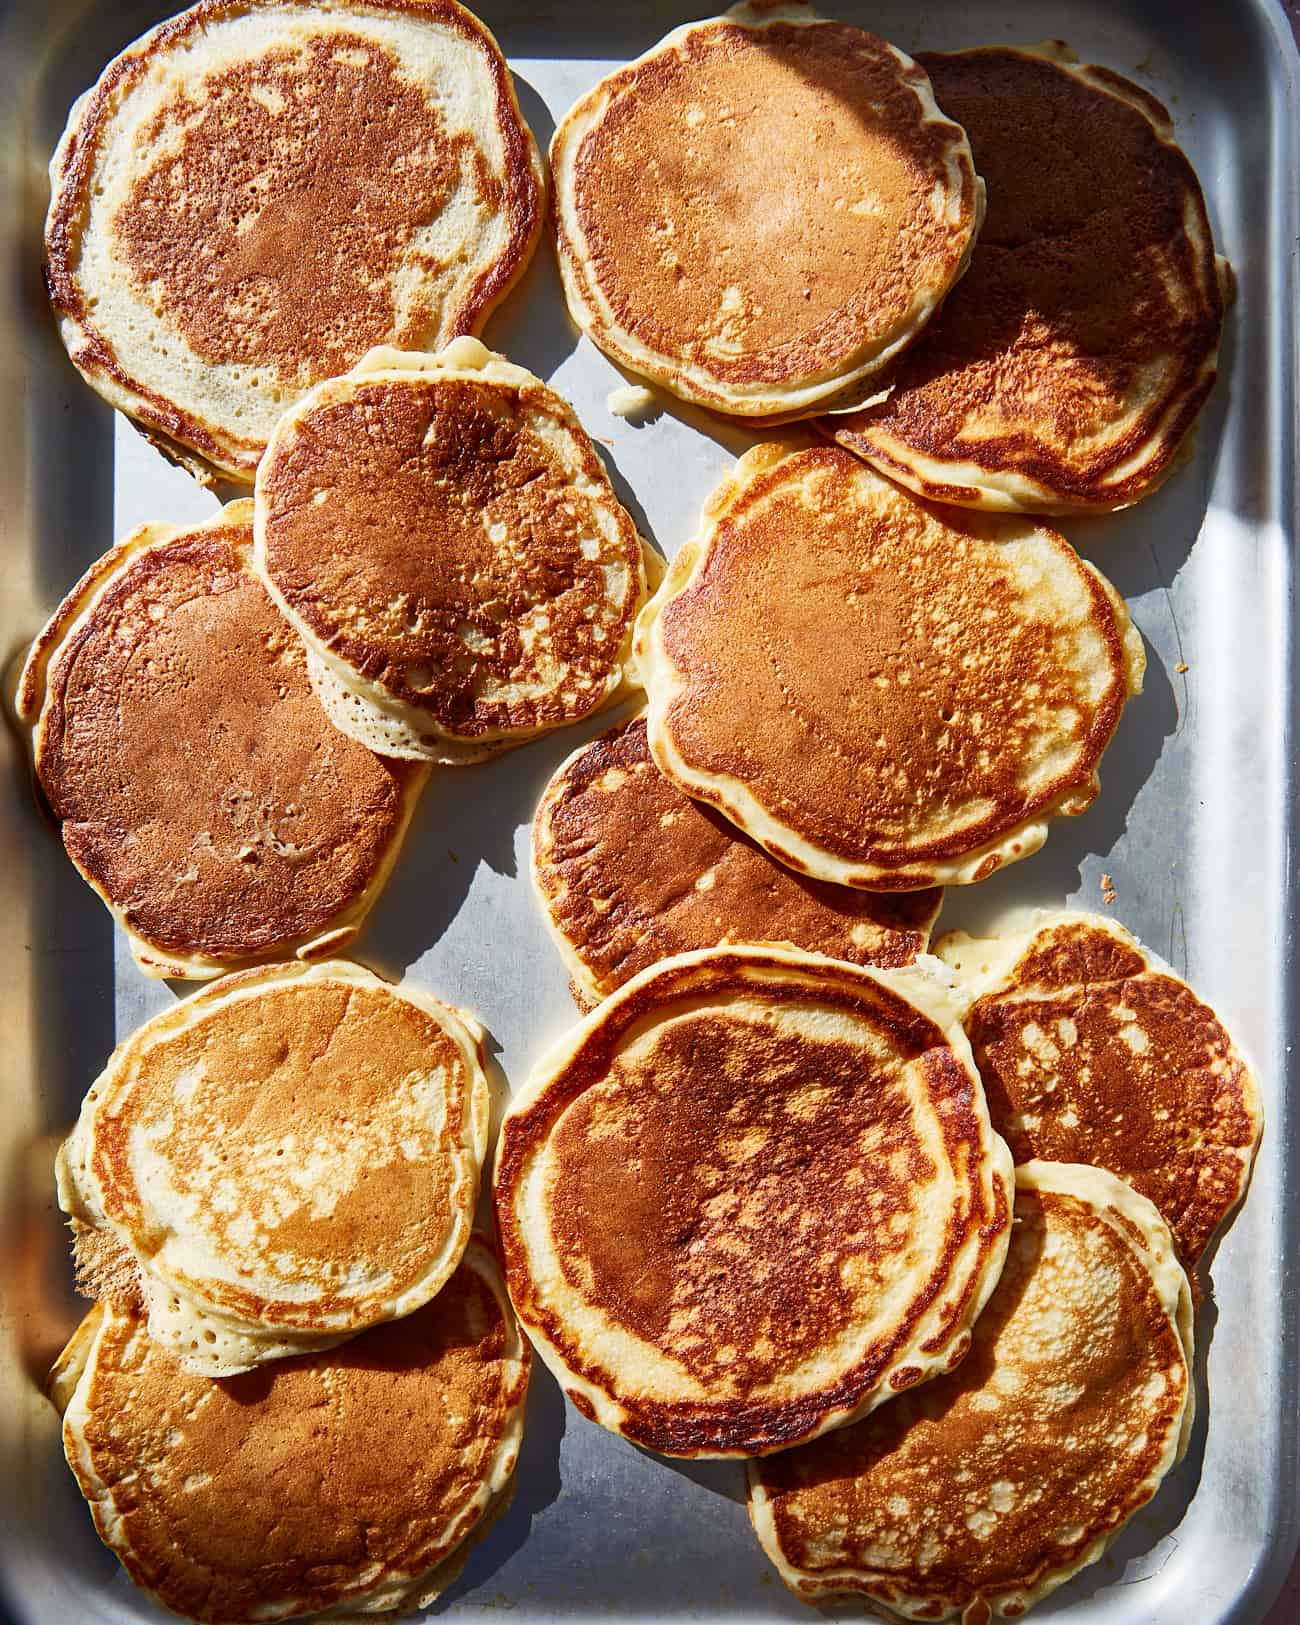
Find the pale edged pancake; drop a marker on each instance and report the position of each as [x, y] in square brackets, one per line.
[216, 241]
[629, 871]
[289, 1156]
[199, 787]
[764, 208]
[988, 1488]
[751, 1197]
[445, 538]
[1092, 1050]
[1065, 371]
[880, 692]
[347, 1481]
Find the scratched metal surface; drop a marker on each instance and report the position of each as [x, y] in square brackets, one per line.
[1193, 827]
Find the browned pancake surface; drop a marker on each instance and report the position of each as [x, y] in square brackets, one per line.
[740, 1195]
[1042, 1440]
[873, 672]
[199, 783]
[1088, 1055]
[397, 569]
[760, 203]
[296, 1483]
[260, 235]
[1051, 336]
[633, 871]
[326, 1158]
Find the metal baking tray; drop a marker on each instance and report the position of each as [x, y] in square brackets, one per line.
[1193, 827]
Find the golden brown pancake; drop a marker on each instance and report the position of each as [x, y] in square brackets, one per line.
[330, 1479]
[763, 209]
[1068, 366]
[629, 871]
[1091, 1050]
[289, 1156]
[444, 536]
[200, 788]
[881, 693]
[258, 191]
[986, 1489]
[751, 1197]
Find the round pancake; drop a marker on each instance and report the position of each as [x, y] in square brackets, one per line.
[1092, 1050]
[882, 693]
[1064, 372]
[751, 1197]
[353, 1477]
[216, 241]
[629, 871]
[988, 1488]
[292, 1153]
[762, 209]
[200, 788]
[446, 540]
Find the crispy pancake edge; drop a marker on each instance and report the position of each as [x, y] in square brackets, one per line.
[987, 966]
[1158, 452]
[586, 990]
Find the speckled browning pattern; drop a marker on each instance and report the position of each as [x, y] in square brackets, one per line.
[893, 683]
[433, 540]
[986, 1483]
[306, 1484]
[631, 871]
[760, 204]
[1085, 332]
[1088, 1054]
[309, 1136]
[199, 785]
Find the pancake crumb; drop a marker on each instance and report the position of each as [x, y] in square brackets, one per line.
[632, 401]
[1107, 889]
[1182, 666]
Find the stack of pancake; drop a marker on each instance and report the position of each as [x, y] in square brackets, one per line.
[909, 1233]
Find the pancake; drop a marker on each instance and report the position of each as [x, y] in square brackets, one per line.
[750, 1198]
[216, 240]
[988, 1488]
[761, 210]
[200, 789]
[881, 693]
[629, 871]
[1066, 370]
[290, 1156]
[349, 1478]
[1092, 1050]
[444, 537]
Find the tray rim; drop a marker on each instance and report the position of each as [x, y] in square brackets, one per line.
[1277, 1555]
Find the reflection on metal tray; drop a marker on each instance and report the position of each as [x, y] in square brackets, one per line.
[1192, 827]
